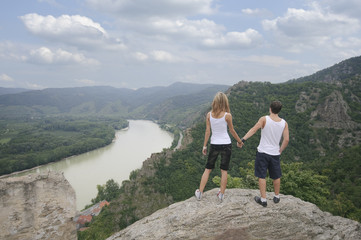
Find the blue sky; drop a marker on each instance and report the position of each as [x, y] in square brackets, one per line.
[144, 43]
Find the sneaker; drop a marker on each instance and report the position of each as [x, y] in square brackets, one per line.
[258, 200]
[198, 194]
[276, 199]
[220, 195]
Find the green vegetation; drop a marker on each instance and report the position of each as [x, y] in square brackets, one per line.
[30, 143]
[321, 164]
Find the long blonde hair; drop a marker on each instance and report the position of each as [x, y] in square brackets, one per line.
[220, 103]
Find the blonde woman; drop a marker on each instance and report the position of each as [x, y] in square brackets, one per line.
[217, 122]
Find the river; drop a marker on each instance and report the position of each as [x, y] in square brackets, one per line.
[116, 161]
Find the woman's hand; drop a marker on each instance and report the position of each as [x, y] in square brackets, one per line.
[204, 151]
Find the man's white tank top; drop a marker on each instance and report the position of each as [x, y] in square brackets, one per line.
[271, 136]
[219, 130]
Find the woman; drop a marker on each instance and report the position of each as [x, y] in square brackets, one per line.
[217, 122]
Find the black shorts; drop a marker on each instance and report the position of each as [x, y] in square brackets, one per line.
[225, 151]
[266, 162]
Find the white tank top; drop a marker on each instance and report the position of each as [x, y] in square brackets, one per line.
[271, 136]
[219, 130]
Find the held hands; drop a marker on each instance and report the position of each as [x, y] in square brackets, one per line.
[240, 145]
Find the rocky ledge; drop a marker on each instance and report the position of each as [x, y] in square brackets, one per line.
[240, 217]
[37, 206]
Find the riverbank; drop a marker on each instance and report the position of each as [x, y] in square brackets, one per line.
[130, 148]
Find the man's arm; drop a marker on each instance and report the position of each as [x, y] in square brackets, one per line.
[260, 124]
[286, 138]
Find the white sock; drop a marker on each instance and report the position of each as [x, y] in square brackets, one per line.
[277, 196]
[263, 199]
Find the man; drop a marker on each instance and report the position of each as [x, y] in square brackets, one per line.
[268, 151]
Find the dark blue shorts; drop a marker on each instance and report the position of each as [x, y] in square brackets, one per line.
[266, 162]
[223, 150]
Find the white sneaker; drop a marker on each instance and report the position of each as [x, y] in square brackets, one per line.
[198, 194]
[220, 195]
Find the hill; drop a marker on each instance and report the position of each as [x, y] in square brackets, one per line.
[335, 74]
[4, 91]
[38, 127]
[107, 101]
[321, 165]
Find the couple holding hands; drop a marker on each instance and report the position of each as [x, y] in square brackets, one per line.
[273, 129]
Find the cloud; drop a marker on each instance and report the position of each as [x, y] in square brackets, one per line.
[86, 82]
[274, 61]
[345, 7]
[256, 12]
[248, 39]
[160, 8]
[163, 56]
[140, 56]
[75, 30]
[300, 28]
[6, 78]
[45, 55]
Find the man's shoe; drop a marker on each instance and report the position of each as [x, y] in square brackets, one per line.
[276, 199]
[198, 194]
[258, 200]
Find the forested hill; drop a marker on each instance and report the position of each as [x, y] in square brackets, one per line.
[109, 101]
[339, 72]
[322, 163]
[38, 127]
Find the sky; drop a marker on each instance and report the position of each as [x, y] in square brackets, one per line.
[145, 43]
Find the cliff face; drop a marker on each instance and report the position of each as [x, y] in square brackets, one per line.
[37, 207]
[240, 217]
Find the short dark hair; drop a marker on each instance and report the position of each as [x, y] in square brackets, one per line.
[276, 107]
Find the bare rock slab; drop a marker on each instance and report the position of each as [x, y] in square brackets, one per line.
[37, 206]
[240, 217]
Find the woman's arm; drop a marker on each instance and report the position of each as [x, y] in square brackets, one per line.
[231, 128]
[207, 134]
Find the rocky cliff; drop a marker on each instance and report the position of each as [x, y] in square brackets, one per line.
[37, 207]
[239, 217]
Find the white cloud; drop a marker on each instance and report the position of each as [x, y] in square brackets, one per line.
[274, 61]
[160, 8]
[186, 28]
[140, 56]
[45, 55]
[6, 78]
[76, 30]
[344, 7]
[163, 56]
[300, 28]
[248, 39]
[256, 12]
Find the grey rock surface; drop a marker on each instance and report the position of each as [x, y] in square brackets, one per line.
[37, 206]
[240, 217]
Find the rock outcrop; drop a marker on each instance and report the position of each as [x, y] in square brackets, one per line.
[240, 217]
[37, 206]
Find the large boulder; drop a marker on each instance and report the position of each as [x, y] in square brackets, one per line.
[240, 217]
[37, 206]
